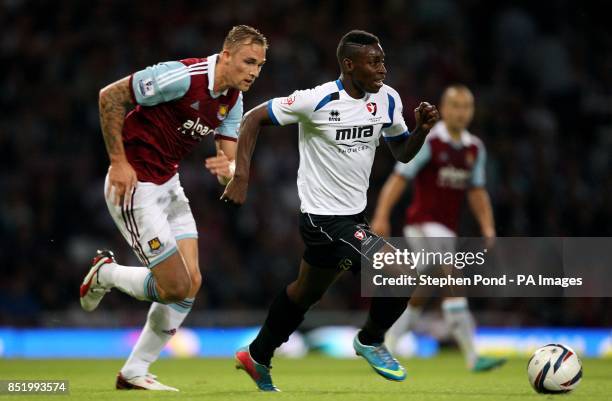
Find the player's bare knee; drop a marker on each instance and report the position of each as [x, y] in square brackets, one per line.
[181, 289]
[175, 290]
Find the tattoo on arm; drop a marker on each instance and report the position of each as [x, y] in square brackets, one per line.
[113, 104]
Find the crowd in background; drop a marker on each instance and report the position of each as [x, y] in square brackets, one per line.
[541, 74]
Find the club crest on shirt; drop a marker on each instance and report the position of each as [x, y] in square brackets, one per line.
[469, 159]
[372, 109]
[223, 110]
[155, 245]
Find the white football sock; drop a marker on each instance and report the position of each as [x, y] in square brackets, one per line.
[461, 323]
[162, 323]
[136, 281]
[405, 322]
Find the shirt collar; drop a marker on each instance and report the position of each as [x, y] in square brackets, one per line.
[212, 63]
[463, 140]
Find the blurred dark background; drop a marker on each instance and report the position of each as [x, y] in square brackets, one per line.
[541, 73]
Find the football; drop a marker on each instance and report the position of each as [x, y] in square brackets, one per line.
[554, 368]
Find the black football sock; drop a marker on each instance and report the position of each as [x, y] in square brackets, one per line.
[284, 317]
[383, 313]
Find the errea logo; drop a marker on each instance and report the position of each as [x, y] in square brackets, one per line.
[334, 115]
[195, 129]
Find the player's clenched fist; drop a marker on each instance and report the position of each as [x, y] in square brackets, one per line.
[236, 191]
[426, 116]
[122, 180]
[221, 166]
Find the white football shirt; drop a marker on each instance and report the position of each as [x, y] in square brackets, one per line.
[338, 136]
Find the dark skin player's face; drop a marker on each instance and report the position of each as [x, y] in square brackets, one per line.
[368, 68]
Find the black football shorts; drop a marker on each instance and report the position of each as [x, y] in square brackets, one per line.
[338, 242]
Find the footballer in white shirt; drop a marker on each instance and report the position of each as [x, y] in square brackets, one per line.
[340, 125]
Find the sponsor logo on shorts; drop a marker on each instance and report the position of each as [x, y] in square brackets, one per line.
[155, 245]
[170, 332]
[360, 234]
[345, 264]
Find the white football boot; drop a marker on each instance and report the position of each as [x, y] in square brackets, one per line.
[147, 382]
[92, 291]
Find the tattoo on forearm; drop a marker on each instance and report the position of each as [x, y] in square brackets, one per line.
[114, 102]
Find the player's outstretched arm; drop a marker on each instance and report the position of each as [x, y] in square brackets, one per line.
[252, 122]
[389, 195]
[114, 101]
[426, 116]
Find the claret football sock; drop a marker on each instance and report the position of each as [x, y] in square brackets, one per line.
[384, 311]
[136, 281]
[461, 323]
[284, 317]
[162, 323]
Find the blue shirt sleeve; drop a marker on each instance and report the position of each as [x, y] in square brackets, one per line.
[410, 170]
[160, 83]
[231, 125]
[396, 129]
[478, 174]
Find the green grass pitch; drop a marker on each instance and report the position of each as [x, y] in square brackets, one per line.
[312, 378]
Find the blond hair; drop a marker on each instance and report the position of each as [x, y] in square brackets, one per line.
[244, 35]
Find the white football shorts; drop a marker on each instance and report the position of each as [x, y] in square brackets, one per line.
[430, 237]
[157, 216]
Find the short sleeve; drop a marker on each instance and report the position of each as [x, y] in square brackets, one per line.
[411, 169]
[160, 83]
[231, 125]
[478, 173]
[396, 129]
[292, 109]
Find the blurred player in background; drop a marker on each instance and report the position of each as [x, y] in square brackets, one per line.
[340, 126]
[450, 164]
[178, 103]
